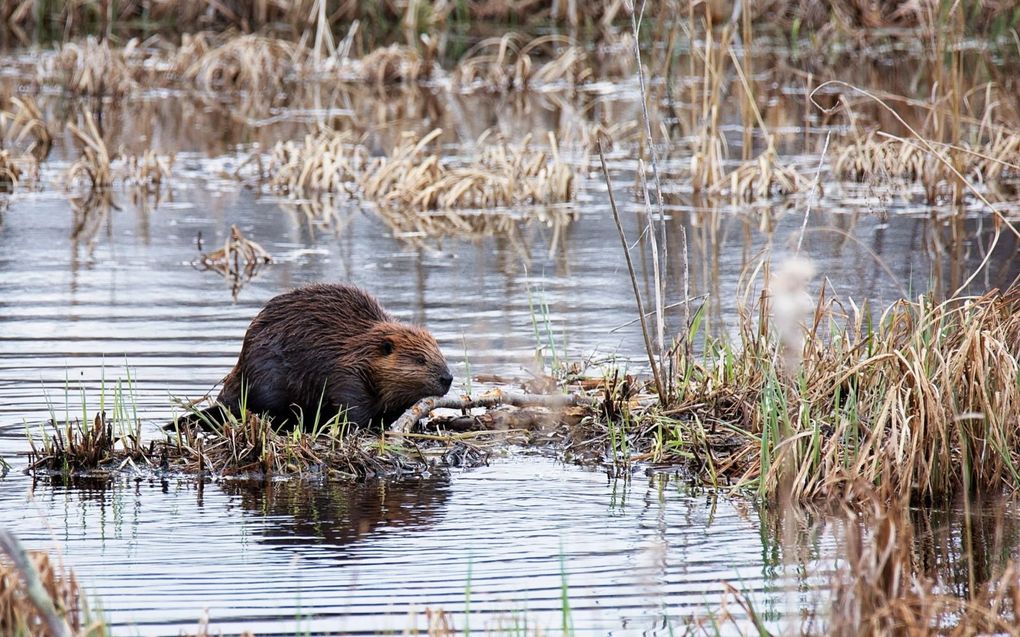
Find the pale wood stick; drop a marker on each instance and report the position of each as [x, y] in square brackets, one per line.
[497, 397]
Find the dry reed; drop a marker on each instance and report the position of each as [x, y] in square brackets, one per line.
[25, 127]
[505, 64]
[94, 165]
[249, 63]
[39, 598]
[922, 401]
[502, 175]
[94, 68]
[327, 161]
[883, 591]
[884, 156]
[148, 170]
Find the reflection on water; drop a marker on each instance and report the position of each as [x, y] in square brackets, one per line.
[339, 513]
[643, 555]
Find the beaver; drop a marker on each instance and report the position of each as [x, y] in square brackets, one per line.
[331, 349]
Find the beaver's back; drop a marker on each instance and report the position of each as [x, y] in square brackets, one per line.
[299, 342]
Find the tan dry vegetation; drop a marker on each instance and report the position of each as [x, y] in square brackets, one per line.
[921, 401]
[876, 156]
[93, 67]
[394, 64]
[509, 63]
[883, 590]
[94, 167]
[250, 63]
[149, 170]
[25, 127]
[501, 175]
[19, 614]
[325, 161]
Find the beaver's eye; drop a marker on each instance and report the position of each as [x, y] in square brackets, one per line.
[421, 361]
[387, 347]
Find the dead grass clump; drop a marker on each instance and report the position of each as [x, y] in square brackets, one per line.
[249, 446]
[37, 597]
[25, 127]
[393, 64]
[77, 447]
[877, 156]
[249, 63]
[13, 168]
[94, 165]
[504, 64]
[148, 170]
[762, 178]
[238, 261]
[92, 67]
[922, 402]
[327, 161]
[502, 175]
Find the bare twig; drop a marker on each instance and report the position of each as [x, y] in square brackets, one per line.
[814, 188]
[633, 280]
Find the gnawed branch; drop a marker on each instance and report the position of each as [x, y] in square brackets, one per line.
[495, 398]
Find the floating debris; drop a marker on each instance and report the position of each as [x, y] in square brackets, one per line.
[238, 261]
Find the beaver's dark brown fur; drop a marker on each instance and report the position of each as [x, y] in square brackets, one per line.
[334, 344]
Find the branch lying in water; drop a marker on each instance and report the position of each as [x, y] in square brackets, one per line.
[497, 397]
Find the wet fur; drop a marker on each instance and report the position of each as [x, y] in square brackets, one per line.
[333, 343]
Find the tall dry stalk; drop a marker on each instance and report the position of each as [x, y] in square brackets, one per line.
[649, 349]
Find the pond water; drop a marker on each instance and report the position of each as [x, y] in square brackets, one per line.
[88, 298]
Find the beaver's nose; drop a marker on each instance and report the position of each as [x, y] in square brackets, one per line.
[445, 379]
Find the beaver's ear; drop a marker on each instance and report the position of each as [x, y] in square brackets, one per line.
[386, 346]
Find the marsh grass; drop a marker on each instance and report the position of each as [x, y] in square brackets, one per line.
[327, 161]
[993, 163]
[514, 63]
[920, 400]
[94, 68]
[25, 128]
[14, 169]
[149, 171]
[94, 167]
[251, 63]
[499, 176]
[883, 589]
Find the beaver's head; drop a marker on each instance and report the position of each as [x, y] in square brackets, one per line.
[406, 365]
